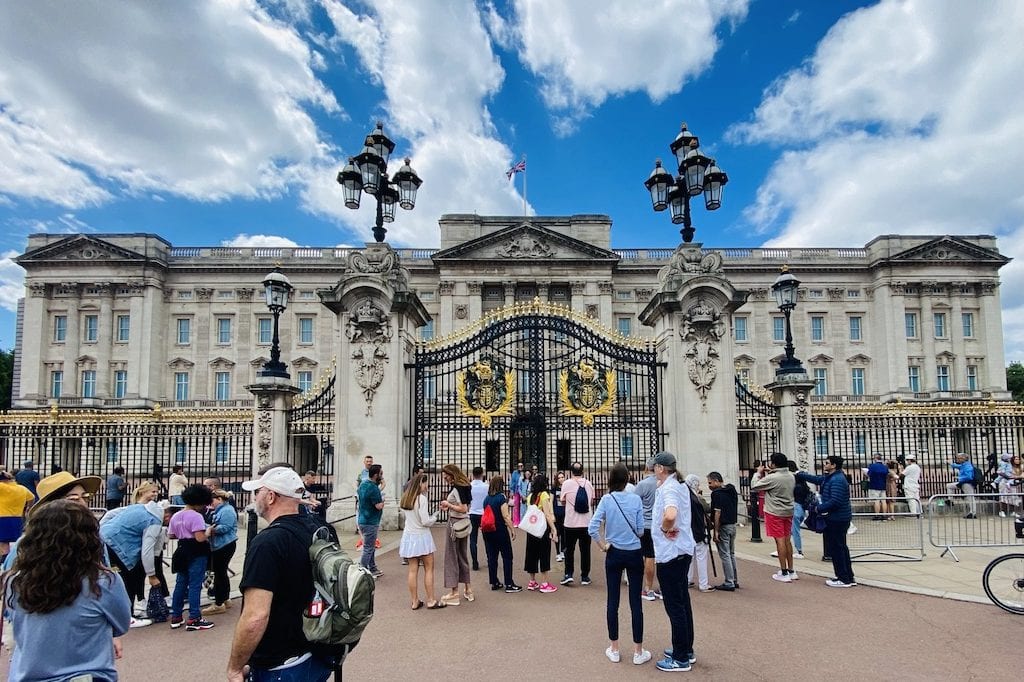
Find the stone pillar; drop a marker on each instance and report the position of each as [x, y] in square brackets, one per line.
[792, 393]
[377, 316]
[691, 316]
[270, 420]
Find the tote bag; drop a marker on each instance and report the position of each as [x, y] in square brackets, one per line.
[533, 521]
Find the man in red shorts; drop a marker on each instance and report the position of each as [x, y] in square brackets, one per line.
[777, 483]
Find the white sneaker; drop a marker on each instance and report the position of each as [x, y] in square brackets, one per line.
[836, 582]
[642, 657]
[775, 554]
[560, 557]
[798, 555]
[793, 575]
[851, 530]
[781, 577]
[1002, 515]
[140, 622]
[613, 656]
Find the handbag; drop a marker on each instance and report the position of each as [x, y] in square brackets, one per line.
[812, 519]
[460, 527]
[156, 606]
[534, 522]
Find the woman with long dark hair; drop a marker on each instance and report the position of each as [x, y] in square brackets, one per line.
[538, 550]
[559, 509]
[59, 591]
[499, 540]
[456, 545]
[223, 537]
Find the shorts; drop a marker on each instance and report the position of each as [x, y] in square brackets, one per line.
[777, 526]
[876, 494]
[11, 528]
[647, 544]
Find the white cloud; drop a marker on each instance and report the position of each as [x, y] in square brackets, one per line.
[203, 100]
[244, 239]
[611, 48]
[12, 281]
[793, 18]
[907, 119]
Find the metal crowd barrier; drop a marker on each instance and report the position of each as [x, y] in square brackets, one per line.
[896, 534]
[963, 520]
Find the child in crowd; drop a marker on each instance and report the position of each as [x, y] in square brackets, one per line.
[190, 558]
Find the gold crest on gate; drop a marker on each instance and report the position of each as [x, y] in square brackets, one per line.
[587, 390]
[486, 390]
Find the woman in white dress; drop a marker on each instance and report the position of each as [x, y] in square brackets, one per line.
[417, 543]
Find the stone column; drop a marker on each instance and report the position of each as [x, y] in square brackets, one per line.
[792, 393]
[270, 420]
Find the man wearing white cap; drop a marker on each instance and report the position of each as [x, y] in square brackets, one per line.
[912, 484]
[277, 582]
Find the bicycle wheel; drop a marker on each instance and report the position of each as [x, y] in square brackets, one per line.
[1003, 581]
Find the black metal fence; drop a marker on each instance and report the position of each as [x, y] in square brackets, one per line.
[311, 426]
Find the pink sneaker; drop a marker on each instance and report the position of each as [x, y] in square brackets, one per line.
[548, 588]
[532, 585]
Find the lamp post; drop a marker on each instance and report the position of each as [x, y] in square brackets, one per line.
[368, 172]
[697, 174]
[785, 290]
[277, 289]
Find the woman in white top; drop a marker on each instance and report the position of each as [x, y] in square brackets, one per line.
[417, 543]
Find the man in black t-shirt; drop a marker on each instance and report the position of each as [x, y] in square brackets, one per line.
[277, 585]
[724, 504]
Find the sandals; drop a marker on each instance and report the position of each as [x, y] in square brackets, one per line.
[470, 596]
[419, 605]
[450, 601]
[438, 604]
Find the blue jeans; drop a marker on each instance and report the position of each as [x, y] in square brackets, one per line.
[369, 557]
[798, 517]
[312, 669]
[193, 582]
[672, 578]
[632, 562]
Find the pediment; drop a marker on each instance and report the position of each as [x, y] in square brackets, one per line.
[303, 361]
[949, 248]
[221, 362]
[260, 361]
[80, 247]
[744, 359]
[526, 242]
[858, 359]
[945, 356]
[820, 359]
[181, 363]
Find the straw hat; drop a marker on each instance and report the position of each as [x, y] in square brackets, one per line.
[56, 486]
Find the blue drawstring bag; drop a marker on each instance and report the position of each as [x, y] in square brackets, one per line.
[156, 607]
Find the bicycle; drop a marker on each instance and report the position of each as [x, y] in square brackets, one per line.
[1003, 581]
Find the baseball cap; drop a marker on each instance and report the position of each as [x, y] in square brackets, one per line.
[281, 480]
[912, 456]
[665, 459]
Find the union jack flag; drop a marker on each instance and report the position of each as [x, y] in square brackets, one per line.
[517, 168]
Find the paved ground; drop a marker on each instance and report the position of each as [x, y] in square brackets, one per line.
[765, 631]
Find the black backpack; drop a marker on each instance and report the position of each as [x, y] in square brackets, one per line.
[582, 502]
[979, 477]
[698, 520]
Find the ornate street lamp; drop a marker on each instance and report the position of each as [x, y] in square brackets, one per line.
[785, 290]
[277, 289]
[697, 174]
[368, 172]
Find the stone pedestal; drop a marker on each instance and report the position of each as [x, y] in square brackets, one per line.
[692, 318]
[792, 396]
[377, 317]
[270, 419]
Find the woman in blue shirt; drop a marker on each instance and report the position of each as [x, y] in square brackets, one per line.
[622, 515]
[60, 592]
[223, 534]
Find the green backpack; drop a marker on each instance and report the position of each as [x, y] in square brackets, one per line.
[342, 602]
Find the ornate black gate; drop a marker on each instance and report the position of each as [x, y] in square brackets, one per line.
[539, 384]
[311, 433]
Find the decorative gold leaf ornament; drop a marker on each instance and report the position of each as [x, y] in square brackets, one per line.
[587, 390]
[479, 395]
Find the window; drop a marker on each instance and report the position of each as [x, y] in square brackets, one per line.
[120, 383]
[624, 325]
[89, 383]
[623, 384]
[60, 328]
[306, 330]
[740, 328]
[626, 446]
[910, 325]
[968, 322]
[940, 325]
[860, 445]
[184, 331]
[623, 295]
[817, 328]
[855, 334]
[853, 293]
[223, 391]
[223, 330]
[305, 380]
[56, 383]
[972, 377]
[181, 385]
[942, 377]
[744, 374]
[92, 328]
[778, 329]
[112, 451]
[815, 293]
[821, 444]
[223, 451]
[857, 381]
[428, 450]
[914, 378]
[429, 388]
[266, 333]
[124, 325]
[427, 331]
[820, 381]
[180, 452]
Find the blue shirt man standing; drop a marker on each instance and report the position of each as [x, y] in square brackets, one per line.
[371, 504]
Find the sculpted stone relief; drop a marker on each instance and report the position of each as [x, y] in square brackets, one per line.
[524, 246]
[369, 330]
[689, 260]
[702, 330]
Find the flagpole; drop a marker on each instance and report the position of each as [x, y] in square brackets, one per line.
[524, 185]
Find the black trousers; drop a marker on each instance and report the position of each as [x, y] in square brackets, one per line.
[134, 579]
[838, 550]
[672, 578]
[219, 560]
[474, 519]
[497, 543]
[572, 536]
[632, 562]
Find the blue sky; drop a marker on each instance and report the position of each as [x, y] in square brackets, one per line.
[225, 122]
